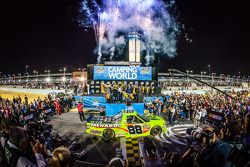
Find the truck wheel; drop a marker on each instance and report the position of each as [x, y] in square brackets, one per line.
[108, 134]
[156, 130]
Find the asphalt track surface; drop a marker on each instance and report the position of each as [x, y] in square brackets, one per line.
[6, 93]
[101, 151]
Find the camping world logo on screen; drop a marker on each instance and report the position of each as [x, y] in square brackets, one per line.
[122, 73]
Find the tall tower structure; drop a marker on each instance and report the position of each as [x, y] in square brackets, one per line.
[134, 44]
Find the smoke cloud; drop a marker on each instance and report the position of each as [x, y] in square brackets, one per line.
[112, 20]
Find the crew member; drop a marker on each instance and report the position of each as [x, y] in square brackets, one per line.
[80, 111]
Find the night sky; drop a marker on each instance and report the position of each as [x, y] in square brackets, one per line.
[45, 35]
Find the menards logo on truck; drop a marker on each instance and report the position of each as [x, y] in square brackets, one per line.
[105, 125]
[125, 124]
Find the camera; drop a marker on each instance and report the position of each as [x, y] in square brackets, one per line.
[75, 155]
[198, 134]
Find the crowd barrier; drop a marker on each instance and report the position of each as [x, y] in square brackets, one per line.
[34, 115]
[94, 102]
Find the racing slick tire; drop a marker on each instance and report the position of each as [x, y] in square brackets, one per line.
[108, 134]
[156, 130]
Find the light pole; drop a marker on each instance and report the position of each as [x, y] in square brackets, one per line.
[170, 74]
[48, 71]
[221, 75]
[27, 74]
[234, 80]
[26, 69]
[36, 73]
[63, 78]
[1, 77]
[9, 78]
[243, 79]
[188, 72]
[13, 79]
[202, 73]
[238, 78]
[209, 70]
[20, 77]
[213, 77]
[228, 79]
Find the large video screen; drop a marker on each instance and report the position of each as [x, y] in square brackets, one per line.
[122, 73]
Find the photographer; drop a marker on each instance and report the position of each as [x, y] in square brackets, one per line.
[199, 142]
[240, 154]
[4, 136]
[61, 158]
[216, 152]
[17, 150]
[246, 131]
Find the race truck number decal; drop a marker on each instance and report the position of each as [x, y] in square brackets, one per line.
[134, 129]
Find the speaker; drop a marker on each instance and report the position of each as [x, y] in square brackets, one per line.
[90, 71]
[154, 73]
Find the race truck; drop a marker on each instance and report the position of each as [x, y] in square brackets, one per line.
[127, 123]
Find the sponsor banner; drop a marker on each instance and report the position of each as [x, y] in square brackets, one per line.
[122, 73]
[78, 98]
[106, 125]
[138, 107]
[113, 109]
[93, 101]
[150, 100]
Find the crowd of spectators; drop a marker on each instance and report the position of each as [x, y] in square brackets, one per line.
[228, 136]
[26, 139]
